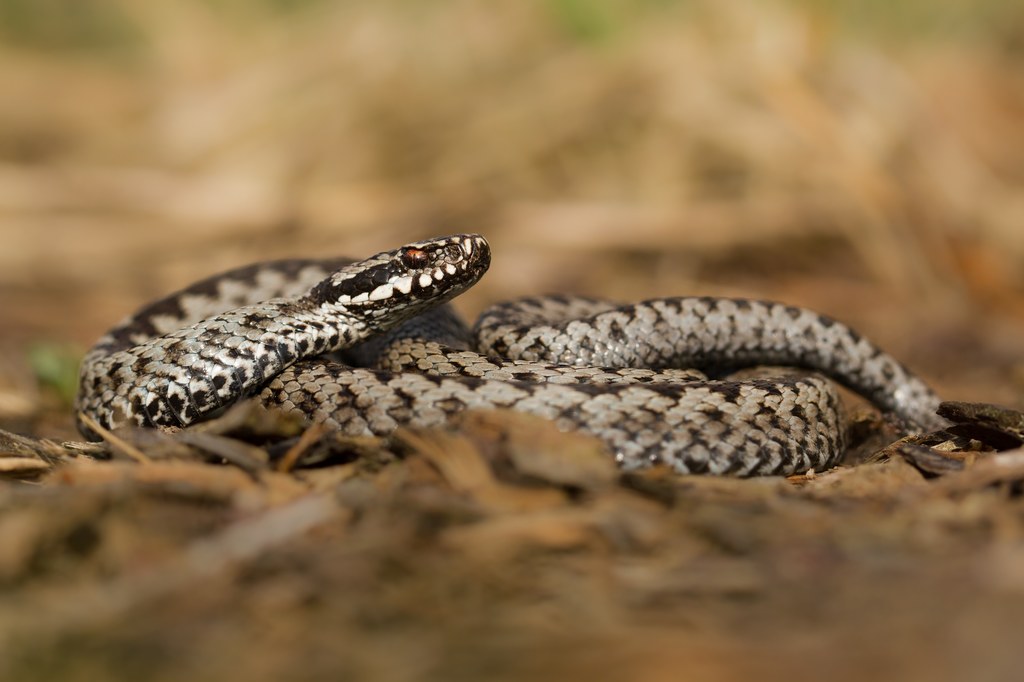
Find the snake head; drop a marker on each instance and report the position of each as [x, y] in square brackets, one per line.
[393, 286]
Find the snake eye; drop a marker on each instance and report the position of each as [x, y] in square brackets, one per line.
[414, 258]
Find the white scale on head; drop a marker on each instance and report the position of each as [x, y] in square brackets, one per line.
[382, 292]
[404, 284]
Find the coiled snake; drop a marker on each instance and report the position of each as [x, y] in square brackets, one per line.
[294, 331]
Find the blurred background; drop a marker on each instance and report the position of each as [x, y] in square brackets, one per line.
[859, 157]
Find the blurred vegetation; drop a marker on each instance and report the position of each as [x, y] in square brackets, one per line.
[56, 367]
[108, 27]
[617, 147]
[66, 25]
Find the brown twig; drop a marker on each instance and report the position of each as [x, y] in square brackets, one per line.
[117, 443]
[306, 441]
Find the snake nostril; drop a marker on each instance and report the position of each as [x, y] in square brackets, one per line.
[454, 252]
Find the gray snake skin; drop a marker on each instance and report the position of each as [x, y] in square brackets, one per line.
[367, 346]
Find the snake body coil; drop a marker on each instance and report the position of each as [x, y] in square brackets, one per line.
[627, 374]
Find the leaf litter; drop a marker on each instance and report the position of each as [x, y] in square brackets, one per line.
[498, 530]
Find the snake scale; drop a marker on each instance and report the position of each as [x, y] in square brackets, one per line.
[365, 346]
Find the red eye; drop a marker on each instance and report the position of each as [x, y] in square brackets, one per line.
[414, 258]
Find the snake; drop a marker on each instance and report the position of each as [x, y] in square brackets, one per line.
[365, 346]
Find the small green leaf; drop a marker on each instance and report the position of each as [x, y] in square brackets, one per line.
[56, 367]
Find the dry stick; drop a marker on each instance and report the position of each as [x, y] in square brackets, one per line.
[306, 441]
[118, 444]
